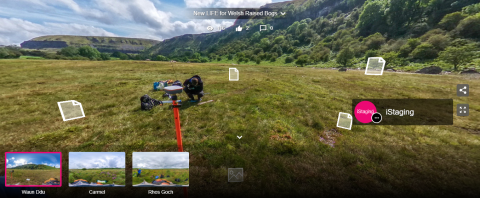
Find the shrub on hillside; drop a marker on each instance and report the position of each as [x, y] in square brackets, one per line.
[32, 53]
[450, 21]
[431, 33]
[469, 27]
[374, 41]
[440, 42]
[371, 53]
[89, 52]
[258, 61]
[393, 45]
[104, 56]
[160, 58]
[392, 59]
[289, 59]
[458, 55]
[345, 57]
[302, 60]
[69, 51]
[320, 53]
[406, 49]
[425, 51]
[472, 9]
[6, 52]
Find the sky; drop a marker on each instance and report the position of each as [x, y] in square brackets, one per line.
[89, 160]
[18, 159]
[160, 160]
[22, 20]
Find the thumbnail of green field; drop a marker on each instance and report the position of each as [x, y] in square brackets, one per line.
[170, 175]
[109, 175]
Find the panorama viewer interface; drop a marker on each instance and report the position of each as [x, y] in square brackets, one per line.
[239, 98]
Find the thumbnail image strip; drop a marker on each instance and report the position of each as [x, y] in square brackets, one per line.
[160, 169]
[96, 169]
[33, 169]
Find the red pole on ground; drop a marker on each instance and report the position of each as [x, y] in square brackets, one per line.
[177, 126]
[176, 114]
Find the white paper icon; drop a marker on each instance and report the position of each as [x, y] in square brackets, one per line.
[375, 66]
[344, 121]
[233, 74]
[71, 110]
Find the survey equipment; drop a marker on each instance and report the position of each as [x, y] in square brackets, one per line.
[173, 91]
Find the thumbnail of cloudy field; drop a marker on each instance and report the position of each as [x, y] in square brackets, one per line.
[33, 169]
[168, 169]
[96, 169]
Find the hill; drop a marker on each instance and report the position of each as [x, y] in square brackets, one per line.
[103, 44]
[35, 166]
[314, 32]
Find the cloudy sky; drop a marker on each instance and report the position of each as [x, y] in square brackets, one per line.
[79, 160]
[18, 159]
[22, 20]
[160, 160]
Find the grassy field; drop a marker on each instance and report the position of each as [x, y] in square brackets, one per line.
[149, 175]
[31, 57]
[37, 177]
[280, 112]
[111, 175]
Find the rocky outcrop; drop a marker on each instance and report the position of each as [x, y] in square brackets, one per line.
[469, 71]
[430, 70]
[43, 44]
[101, 43]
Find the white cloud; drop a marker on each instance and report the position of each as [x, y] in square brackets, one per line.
[7, 160]
[159, 24]
[20, 162]
[192, 27]
[54, 165]
[15, 31]
[13, 158]
[154, 19]
[79, 160]
[9, 166]
[226, 3]
[158, 160]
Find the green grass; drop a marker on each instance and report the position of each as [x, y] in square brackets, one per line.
[37, 177]
[31, 57]
[92, 175]
[267, 102]
[149, 175]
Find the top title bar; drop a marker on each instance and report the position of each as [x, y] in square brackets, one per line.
[234, 13]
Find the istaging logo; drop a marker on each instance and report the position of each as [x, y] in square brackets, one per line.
[364, 111]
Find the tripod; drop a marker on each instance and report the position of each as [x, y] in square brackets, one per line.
[176, 114]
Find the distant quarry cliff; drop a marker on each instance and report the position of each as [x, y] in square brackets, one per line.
[103, 44]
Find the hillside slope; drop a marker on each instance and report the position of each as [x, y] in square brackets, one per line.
[35, 166]
[103, 44]
[413, 33]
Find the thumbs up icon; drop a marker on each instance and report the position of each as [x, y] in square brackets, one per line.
[239, 28]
